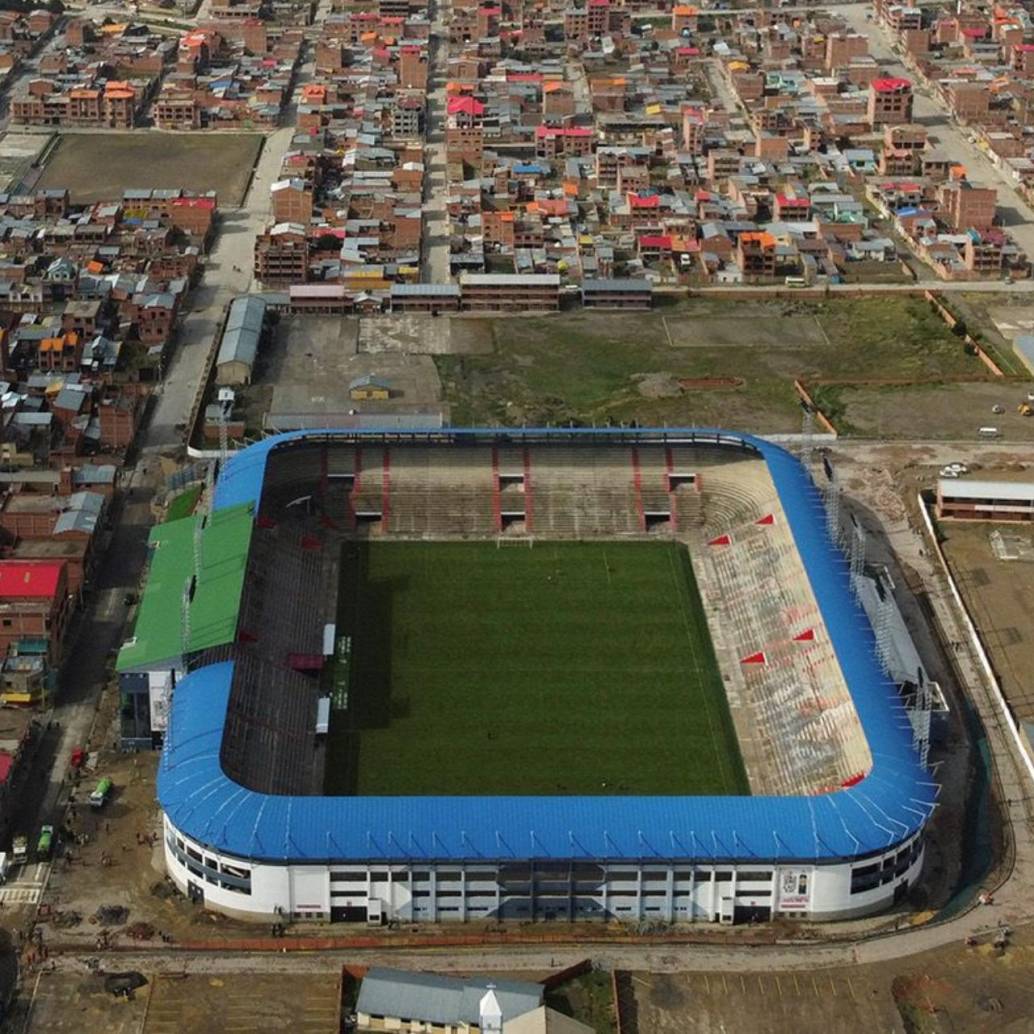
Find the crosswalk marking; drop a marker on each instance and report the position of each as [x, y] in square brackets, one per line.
[21, 895]
[28, 888]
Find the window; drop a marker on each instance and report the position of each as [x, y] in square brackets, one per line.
[7, 622]
[722, 877]
[754, 876]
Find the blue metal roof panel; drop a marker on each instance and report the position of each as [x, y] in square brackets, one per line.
[888, 805]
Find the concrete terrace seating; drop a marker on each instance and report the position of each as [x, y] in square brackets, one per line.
[441, 494]
[793, 713]
[292, 592]
[583, 492]
[270, 728]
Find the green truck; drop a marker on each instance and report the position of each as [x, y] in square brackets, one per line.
[101, 794]
[45, 843]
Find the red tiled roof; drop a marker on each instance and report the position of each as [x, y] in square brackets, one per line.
[890, 83]
[465, 106]
[543, 131]
[652, 201]
[655, 241]
[29, 580]
[193, 202]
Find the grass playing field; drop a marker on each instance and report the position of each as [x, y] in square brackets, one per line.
[563, 668]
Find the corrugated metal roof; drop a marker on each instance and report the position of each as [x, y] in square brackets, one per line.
[158, 632]
[883, 809]
[441, 999]
[1023, 346]
[243, 331]
[618, 285]
[509, 280]
[959, 488]
[424, 291]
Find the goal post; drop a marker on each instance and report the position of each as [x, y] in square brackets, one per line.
[514, 540]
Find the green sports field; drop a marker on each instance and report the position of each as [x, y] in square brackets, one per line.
[562, 668]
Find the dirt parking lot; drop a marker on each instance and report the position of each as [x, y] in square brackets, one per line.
[950, 411]
[311, 362]
[238, 1003]
[203, 161]
[1000, 597]
[419, 334]
[953, 990]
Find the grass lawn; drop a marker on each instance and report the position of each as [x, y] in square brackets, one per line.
[588, 999]
[593, 366]
[183, 504]
[566, 668]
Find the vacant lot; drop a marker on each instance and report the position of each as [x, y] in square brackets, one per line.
[603, 367]
[99, 166]
[1000, 596]
[189, 1004]
[483, 670]
[954, 412]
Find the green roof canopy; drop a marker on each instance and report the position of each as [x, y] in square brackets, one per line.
[158, 635]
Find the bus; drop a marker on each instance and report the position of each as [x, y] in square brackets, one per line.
[99, 796]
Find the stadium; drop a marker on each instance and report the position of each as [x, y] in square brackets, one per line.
[521, 674]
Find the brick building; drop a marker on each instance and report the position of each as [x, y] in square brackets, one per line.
[890, 101]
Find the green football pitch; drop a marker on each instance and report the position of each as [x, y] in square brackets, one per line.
[558, 668]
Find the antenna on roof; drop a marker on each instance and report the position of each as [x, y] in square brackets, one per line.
[883, 631]
[857, 553]
[206, 509]
[225, 400]
[199, 527]
[185, 616]
[832, 493]
[807, 434]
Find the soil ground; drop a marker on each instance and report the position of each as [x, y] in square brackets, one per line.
[946, 991]
[247, 1003]
[1000, 597]
[203, 161]
[605, 366]
[950, 411]
[304, 372]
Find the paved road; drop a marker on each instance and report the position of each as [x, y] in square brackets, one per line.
[1018, 287]
[436, 219]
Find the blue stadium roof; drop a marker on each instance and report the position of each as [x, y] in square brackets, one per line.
[890, 804]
